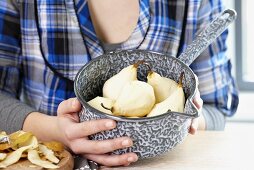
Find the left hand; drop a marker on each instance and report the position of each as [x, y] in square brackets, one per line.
[197, 123]
[74, 135]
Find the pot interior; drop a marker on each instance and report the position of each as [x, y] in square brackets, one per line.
[89, 81]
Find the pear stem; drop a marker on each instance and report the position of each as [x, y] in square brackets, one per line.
[181, 79]
[149, 66]
[102, 105]
[138, 63]
[150, 71]
[144, 63]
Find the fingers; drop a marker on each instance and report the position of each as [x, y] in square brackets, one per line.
[77, 140]
[71, 105]
[76, 136]
[194, 126]
[197, 100]
[195, 122]
[100, 146]
[87, 128]
[113, 160]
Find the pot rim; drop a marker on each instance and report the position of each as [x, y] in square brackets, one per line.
[140, 119]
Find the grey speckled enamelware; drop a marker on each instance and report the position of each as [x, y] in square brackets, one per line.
[154, 135]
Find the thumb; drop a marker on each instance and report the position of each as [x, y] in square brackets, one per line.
[68, 107]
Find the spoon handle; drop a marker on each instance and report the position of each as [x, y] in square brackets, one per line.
[207, 36]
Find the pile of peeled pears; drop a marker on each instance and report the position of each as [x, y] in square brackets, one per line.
[125, 95]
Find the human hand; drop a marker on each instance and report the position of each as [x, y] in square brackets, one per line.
[197, 123]
[75, 136]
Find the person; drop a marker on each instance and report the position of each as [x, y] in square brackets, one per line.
[43, 44]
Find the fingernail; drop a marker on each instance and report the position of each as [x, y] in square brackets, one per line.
[131, 159]
[193, 129]
[109, 124]
[126, 142]
[73, 103]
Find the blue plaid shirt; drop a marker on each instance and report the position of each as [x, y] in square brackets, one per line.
[43, 44]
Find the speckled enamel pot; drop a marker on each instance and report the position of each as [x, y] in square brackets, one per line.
[154, 135]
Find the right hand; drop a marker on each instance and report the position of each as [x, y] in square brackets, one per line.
[75, 136]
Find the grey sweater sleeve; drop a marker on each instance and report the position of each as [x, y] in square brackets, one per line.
[12, 113]
[215, 119]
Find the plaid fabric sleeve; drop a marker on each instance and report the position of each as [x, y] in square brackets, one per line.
[213, 67]
[9, 47]
[12, 111]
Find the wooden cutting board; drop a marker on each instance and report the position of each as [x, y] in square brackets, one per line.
[66, 163]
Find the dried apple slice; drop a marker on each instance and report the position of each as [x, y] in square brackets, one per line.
[3, 134]
[54, 146]
[14, 156]
[19, 139]
[48, 153]
[4, 146]
[4, 138]
[34, 158]
[4, 141]
[14, 136]
[2, 156]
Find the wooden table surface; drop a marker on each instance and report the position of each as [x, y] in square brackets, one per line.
[207, 150]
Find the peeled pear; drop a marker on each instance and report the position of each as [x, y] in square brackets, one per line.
[162, 86]
[3, 156]
[136, 100]
[113, 86]
[97, 101]
[175, 102]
